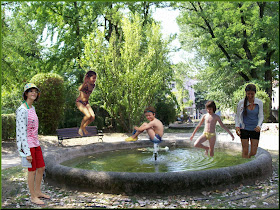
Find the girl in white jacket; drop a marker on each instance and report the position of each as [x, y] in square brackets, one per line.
[28, 143]
[248, 121]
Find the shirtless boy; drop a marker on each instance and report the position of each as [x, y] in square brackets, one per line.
[209, 129]
[154, 128]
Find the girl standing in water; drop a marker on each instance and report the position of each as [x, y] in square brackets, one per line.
[82, 101]
[209, 132]
[248, 121]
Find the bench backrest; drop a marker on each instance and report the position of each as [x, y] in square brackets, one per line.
[65, 133]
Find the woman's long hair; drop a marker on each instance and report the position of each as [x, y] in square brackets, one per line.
[249, 87]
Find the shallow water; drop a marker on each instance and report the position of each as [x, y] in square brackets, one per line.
[142, 160]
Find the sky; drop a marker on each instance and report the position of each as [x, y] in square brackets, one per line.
[167, 16]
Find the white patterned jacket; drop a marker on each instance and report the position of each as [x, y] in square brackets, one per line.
[21, 131]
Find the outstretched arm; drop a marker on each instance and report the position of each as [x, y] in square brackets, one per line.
[197, 127]
[224, 127]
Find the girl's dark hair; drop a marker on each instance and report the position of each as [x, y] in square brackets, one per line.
[25, 97]
[211, 104]
[249, 87]
[90, 73]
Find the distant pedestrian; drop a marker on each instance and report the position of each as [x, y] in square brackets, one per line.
[248, 121]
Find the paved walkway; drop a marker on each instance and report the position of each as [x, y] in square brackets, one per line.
[10, 157]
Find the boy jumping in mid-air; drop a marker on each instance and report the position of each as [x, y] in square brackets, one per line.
[154, 128]
[209, 129]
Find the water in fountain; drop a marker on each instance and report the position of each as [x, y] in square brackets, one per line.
[142, 160]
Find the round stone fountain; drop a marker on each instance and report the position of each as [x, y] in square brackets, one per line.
[187, 182]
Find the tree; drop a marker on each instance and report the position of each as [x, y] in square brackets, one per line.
[21, 52]
[181, 75]
[131, 73]
[238, 40]
[66, 23]
[21, 55]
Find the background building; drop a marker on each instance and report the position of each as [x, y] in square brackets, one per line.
[188, 109]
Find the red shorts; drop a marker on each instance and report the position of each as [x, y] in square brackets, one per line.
[37, 158]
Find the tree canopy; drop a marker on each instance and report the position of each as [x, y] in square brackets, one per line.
[129, 52]
[132, 68]
[239, 42]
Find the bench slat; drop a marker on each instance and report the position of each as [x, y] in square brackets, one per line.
[67, 133]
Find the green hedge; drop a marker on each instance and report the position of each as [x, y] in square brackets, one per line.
[8, 126]
[165, 111]
[50, 106]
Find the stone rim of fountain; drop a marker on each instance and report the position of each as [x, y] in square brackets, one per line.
[190, 182]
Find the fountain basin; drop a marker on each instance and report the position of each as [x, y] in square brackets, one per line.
[184, 182]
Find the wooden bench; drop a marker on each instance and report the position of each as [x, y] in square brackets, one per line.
[69, 133]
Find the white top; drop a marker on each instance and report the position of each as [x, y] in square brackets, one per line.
[240, 109]
[21, 131]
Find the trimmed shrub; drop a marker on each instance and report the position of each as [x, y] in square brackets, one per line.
[8, 126]
[50, 106]
[165, 111]
[72, 116]
[260, 94]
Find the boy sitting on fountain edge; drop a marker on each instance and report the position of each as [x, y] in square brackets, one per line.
[154, 128]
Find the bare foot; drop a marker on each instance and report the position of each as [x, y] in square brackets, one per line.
[37, 201]
[80, 132]
[206, 151]
[85, 131]
[42, 195]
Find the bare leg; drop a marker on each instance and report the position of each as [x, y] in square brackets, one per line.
[138, 132]
[254, 147]
[151, 133]
[90, 120]
[34, 198]
[212, 142]
[245, 148]
[87, 116]
[199, 141]
[38, 181]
